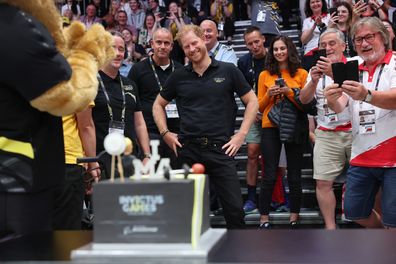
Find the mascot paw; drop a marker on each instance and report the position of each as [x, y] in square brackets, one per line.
[73, 34]
[97, 42]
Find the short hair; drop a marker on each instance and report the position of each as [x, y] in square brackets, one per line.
[308, 11]
[338, 33]
[293, 59]
[122, 11]
[376, 24]
[186, 29]
[251, 29]
[164, 30]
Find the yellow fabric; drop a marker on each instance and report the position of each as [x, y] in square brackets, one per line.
[266, 81]
[173, 29]
[219, 12]
[73, 145]
[18, 147]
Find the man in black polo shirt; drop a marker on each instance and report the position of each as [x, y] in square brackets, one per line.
[150, 76]
[204, 92]
[251, 65]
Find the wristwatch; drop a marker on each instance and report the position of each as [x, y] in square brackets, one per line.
[368, 97]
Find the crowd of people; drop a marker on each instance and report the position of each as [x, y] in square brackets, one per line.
[172, 80]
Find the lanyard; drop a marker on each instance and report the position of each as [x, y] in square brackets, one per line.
[155, 72]
[216, 51]
[378, 78]
[108, 98]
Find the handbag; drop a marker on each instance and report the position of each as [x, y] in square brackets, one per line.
[274, 115]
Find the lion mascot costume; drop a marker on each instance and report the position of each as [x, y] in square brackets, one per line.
[45, 73]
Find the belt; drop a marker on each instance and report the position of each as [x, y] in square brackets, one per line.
[202, 141]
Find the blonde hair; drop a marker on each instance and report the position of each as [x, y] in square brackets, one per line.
[186, 29]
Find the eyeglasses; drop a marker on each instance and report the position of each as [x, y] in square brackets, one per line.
[369, 38]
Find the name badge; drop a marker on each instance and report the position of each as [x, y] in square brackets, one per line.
[220, 26]
[116, 127]
[171, 110]
[329, 115]
[261, 16]
[367, 121]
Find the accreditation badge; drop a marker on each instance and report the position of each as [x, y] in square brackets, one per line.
[171, 110]
[261, 16]
[329, 115]
[366, 119]
[116, 127]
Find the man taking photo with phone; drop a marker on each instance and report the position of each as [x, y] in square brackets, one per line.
[372, 104]
[333, 137]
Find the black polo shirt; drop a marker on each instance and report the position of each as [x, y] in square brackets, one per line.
[251, 68]
[100, 112]
[30, 66]
[142, 74]
[206, 104]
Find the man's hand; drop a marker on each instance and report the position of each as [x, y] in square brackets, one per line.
[94, 170]
[259, 117]
[333, 92]
[316, 74]
[355, 90]
[324, 65]
[172, 141]
[234, 144]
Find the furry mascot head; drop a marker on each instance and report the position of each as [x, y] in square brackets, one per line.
[85, 50]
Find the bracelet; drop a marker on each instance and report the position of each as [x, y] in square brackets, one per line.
[163, 133]
[147, 155]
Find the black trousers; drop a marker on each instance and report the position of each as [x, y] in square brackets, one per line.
[222, 173]
[24, 213]
[68, 200]
[270, 149]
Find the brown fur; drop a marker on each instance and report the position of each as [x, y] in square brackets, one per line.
[85, 50]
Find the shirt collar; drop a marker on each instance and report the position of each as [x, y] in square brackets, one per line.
[213, 63]
[386, 60]
[214, 48]
[322, 16]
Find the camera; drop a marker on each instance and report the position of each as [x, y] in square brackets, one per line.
[280, 82]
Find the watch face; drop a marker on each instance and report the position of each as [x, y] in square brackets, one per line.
[368, 97]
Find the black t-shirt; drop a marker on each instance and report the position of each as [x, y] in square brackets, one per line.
[142, 74]
[206, 104]
[30, 65]
[100, 112]
[251, 68]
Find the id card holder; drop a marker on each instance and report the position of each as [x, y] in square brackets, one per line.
[330, 115]
[116, 127]
[171, 110]
[220, 26]
[367, 121]
[261, 16]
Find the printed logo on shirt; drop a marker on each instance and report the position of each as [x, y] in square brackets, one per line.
[219, 80]
[128, 87]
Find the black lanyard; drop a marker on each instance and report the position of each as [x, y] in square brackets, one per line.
[254, 76]
[155, 72]
[216, 50]
[108, 98]
[378, 78]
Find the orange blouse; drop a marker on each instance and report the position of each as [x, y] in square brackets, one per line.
[266, 81]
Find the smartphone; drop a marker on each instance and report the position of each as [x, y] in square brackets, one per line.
[317, 54]
[332, 11]
[280, 82]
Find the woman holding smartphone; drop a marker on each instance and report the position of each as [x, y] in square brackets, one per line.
[283, 73]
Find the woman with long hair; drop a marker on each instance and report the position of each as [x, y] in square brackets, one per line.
[146, 33]
[283, 73]
[315, 22]
[341, 19]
